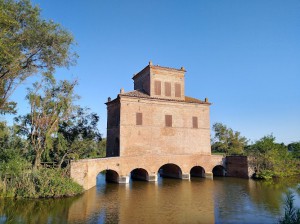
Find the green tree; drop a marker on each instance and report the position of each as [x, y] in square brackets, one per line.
[28, 45]
[12, 159]
[9, 139]
[77, 137]
[294, 148]
[50, 104]
[271, 159]
[227, 141]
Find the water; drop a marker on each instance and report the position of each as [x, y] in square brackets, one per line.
[222, 200]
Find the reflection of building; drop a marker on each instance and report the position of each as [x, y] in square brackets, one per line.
[176, 202]
[157, 117]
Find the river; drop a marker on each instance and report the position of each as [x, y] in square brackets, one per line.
[200, 200]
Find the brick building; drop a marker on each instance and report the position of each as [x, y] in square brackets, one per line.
[156, 118]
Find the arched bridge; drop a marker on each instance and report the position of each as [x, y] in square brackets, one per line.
[121, 169]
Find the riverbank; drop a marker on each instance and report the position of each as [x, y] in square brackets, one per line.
[41, 183]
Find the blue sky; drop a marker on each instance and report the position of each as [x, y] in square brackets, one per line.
[243, 55]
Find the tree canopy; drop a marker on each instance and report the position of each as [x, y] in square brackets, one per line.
[78, 137]
[271, 159]
[50, 104]
[28, 45]
[294, 148]
[227, 141]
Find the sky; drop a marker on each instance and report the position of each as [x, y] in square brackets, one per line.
[244, 56]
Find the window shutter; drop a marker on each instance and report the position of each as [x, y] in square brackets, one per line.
[195, 122]
[157, 87]
[167, 89]
[168, 120]
[139, 118]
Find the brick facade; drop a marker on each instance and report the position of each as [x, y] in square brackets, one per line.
[153, 130]
[169, 122]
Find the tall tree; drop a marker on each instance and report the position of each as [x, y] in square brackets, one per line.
[50, 104]
[227, 141]
[28, 45]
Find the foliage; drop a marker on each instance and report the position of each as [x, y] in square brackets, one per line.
[11, 160]
[294, 148]
[227, 141]
[28, 45]
[55, 129]
[9, 139]
[270, 159]
[50, 104]
[13, 164]
[42, 183]
[291, 214]
[77, 137]
[54, 183]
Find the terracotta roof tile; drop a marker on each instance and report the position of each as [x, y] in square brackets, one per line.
[136, 93]
[192, 100]
[143, 94]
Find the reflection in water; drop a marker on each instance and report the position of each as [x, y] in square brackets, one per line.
[222, 200]
[35, 211]
[249, 201]
[164, 202]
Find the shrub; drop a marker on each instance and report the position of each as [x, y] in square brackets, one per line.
[42, 183]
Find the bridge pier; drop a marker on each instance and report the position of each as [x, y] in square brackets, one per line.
[209, 175]
[186, 176]
[152, 178]
[123, 179]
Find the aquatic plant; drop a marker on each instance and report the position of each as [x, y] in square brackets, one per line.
[291, 213]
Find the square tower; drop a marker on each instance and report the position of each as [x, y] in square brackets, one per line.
[156, 118]
[160, 82]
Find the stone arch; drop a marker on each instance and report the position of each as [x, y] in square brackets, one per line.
[111, 176]
[139, 174]
[219, 171]
[197, 171]
[170, 170]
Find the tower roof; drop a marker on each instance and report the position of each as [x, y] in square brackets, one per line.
[150, 65]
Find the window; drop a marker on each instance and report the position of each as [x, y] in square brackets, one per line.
[139, 118]
[167, 89]
[195, 122]
[177, 90]
[157, 87]
[168, 120]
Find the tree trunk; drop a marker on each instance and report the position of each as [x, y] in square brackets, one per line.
[62, 160]
[37, 160]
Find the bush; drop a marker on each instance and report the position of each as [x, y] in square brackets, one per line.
[42, 183]
[55, 183]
